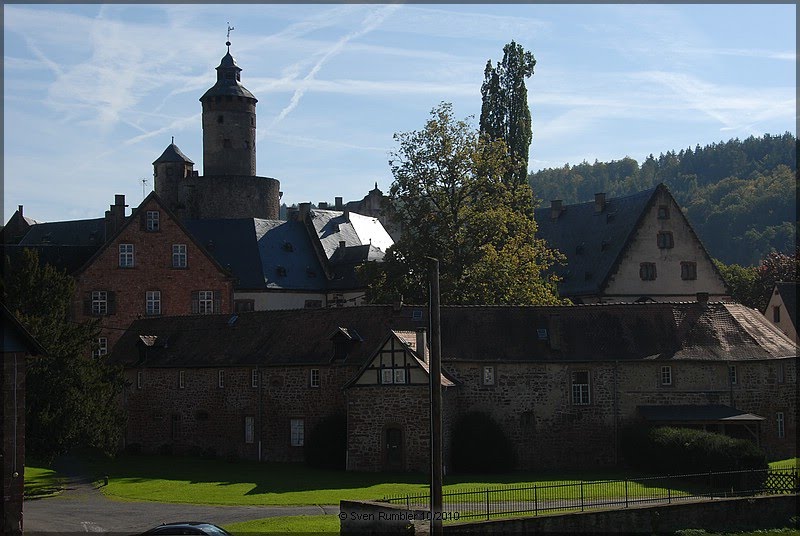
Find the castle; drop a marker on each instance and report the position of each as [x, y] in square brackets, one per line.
[229, 187]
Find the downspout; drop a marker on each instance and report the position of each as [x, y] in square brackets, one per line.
[15, 474]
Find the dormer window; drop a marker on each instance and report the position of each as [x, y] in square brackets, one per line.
[287, 246]
[663, 212]
[281, 271]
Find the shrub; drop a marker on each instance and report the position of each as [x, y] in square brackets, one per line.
[480, 445]
[326, 445]
[165, 449]
[133, 448]
[667, 450]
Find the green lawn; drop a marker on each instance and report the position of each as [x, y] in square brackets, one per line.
[282, 525]
[790, 463]
[41, 482]
[194, 480]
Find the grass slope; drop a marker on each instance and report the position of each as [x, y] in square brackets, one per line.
[286, 524]
[41, 482]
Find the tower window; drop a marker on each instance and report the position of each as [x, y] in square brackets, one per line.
[220, 119]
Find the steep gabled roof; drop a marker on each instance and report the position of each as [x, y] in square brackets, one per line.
[68, 258]
[333, 227]
[69, 233]
[592, 241]
[135, 218]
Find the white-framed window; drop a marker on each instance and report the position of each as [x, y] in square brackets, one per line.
[732, 376]
[488, 375]
[781, 421]
[101, 347]
[179, 255]
[99, 302]
[153, 302]
[314, 380]
[249, 428]
[666, 375]
[387, 376]
[139, 379]
[181, 379]
[580, 388]
[126, 255]
[297, 432]
[221, 379]
[152, 220]
[399, 375]
[205, 302]
[254, 377]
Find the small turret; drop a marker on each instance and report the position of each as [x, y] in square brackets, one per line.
[169, 170]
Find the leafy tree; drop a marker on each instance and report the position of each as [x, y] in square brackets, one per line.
[504, 112]
[71, 395]
[752, 286]
[450, 198]
[742, 283]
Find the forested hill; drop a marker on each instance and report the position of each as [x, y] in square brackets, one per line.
[740, 196]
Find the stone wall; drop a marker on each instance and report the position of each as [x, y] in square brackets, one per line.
[718, 515]
[228, 196]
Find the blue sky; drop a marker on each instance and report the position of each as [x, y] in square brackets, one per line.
[93, 93]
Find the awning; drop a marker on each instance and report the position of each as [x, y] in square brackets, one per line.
[711, 413]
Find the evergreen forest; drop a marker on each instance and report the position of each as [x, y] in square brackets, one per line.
[740, 196]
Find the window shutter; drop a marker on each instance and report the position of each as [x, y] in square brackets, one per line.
[112, 302]
[195, 302]
[217, 302]
[87, 304]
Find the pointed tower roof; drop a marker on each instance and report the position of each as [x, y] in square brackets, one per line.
[228, 79]
[172, 154]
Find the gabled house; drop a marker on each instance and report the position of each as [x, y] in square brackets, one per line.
[782, 308]
[639, 247]
[18, 346]
[150, 266]
[561, 381]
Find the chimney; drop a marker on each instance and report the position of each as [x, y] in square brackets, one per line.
[346, 213]
[19, 209]
[702, 298]
[422, 344]
[556, 208]
[291, 213]
[305, 208]
[342, 244]
[599, 202]
[109, 225]
[323, 205]
[338, 203]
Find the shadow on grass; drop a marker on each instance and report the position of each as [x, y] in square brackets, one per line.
[273, 477]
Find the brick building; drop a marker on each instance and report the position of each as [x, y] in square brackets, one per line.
[561, 381]
[149, 266]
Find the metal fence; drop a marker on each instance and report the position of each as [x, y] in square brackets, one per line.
[579, 496]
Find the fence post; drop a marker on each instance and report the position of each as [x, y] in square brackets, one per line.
[535, 501]
[487, 504]
[626, 493]
[710, 485]
[408, 503]
[581, 495]
[669, 490]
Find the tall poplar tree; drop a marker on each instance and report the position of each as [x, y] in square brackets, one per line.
[505, 114]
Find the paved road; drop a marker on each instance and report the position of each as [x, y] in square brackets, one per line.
[82, 508]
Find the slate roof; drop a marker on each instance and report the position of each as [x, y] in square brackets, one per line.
[67, 257]
[592, 241]
[609, 332]
[262, 254]
[357, 230]
[73, 233]
[688, 413]
[172, 154]
[788, 292]
[16, 337]
[228, 86]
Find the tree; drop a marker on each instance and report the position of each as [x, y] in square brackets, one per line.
[752, 286]
[505, 114]
[71, 395]
[451, 200]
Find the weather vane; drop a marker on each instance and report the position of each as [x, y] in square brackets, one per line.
[228, 41]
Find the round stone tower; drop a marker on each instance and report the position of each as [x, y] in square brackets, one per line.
[229, 124]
